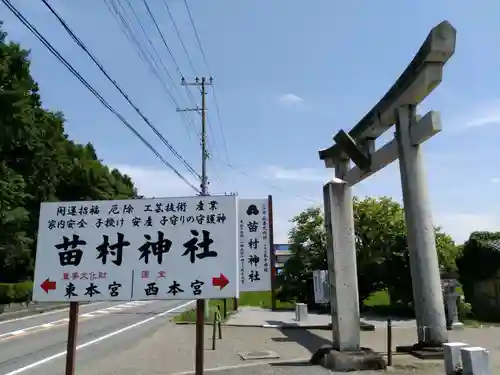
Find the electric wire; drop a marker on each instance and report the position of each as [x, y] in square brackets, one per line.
[179, 36]
[79, 42]
[146, 34]
[124, 23]
[200, 46]
[153, 64]
[151, 15]
[61, 59]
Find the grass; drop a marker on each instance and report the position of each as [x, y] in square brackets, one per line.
[258, 299]
[379, 303]
[380, 298]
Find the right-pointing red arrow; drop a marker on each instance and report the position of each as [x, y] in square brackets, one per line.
[220, 281]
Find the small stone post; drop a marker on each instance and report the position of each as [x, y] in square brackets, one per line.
[475, 361]
[452, 356]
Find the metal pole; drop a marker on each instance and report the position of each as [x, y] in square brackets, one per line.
[201, 305]
[72, 336]
[389, 342]
[204, 190]
[272, 252]
[204, 156]
[202, 308]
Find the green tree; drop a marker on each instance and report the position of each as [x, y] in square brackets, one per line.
[308, 247]
[39, 163]
[479, 260]
[382, 254]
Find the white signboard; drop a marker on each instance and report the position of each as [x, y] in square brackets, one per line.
[165, 248]
[321, 286]
[254, 245]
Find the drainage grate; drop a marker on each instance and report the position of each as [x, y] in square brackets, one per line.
[259, 355]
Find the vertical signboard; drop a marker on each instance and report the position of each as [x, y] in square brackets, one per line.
[254, 245]
[165, 248]
[321, 286]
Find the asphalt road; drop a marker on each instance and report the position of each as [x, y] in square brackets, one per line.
[37, 344]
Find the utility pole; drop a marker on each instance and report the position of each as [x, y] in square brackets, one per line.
[203, 82]
[202, 310]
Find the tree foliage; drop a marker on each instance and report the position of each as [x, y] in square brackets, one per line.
[382, 253]
[39, 163]
[479, 260]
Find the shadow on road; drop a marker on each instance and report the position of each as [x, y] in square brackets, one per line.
[303, 337]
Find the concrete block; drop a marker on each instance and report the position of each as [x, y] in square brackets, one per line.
[475, 361]
[301, 313]
[452, 356]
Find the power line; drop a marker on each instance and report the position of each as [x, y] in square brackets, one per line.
[122, 92]
[221, 127]
[179, 36]
[238, 170]
[150, 13]
[200, 46]
[126, 25]
[152, 46]
[124, 20]
[196, 34]
[61, 59]
[162, 37]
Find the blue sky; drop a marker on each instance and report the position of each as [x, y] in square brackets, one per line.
[287, 75]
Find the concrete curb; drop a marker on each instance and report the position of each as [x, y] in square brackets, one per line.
[364, 326]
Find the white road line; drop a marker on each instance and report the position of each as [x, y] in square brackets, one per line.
[19, 332]
[35, 315]
[90, 314]
[97, 340]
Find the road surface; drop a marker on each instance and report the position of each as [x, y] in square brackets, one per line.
[37, 344]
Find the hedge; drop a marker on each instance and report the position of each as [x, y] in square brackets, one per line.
[15, 293]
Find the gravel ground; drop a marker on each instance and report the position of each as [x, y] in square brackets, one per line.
[170, 350]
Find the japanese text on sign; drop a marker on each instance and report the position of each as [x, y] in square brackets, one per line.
[254, 248]
[171, 248]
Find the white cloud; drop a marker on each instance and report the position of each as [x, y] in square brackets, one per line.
[298, 175]
[495, 180]
[291, 99]
[155, 182]
[460, 225]
[486, 114]
[294, 190]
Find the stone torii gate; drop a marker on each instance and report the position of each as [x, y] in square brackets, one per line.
[397, 107]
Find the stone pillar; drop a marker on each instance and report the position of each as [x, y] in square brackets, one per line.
[341, 251]
[427, 293]
[451, 297]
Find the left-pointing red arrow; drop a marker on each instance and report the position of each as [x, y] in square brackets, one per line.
[48, 285]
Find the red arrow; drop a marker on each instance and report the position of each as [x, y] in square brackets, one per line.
[48, 285]
[221, 281]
